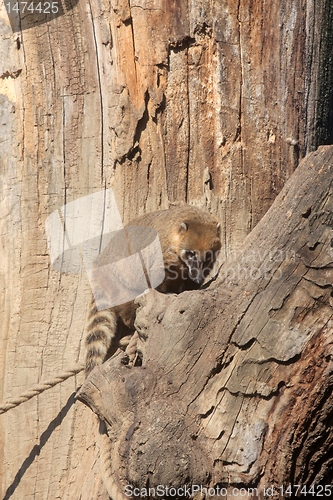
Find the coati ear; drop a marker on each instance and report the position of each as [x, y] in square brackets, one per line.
[183, 227]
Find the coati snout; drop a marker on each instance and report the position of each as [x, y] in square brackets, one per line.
[199, 266]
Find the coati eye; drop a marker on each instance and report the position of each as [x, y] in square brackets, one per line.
[190, 254]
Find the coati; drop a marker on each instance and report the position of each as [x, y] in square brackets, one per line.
[190, 242]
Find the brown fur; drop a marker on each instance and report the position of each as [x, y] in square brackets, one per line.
[182, 232]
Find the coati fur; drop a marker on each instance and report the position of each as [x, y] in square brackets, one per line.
[190, 242]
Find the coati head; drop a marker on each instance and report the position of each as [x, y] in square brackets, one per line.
[198, 247]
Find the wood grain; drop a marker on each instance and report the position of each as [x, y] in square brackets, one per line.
[213, 103]
[236, 382]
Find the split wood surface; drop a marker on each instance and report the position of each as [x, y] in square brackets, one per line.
[236, 382]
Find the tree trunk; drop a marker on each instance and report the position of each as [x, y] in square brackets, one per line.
[236, 383]
[212, 103]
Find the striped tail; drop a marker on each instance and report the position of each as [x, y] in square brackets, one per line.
[100, 331]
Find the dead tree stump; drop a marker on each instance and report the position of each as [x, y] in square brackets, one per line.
[236, 383]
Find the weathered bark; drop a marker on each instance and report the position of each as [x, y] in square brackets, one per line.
[207, 102]
[236, 383]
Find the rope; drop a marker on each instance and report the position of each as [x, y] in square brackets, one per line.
[113, 487]
[132, 349]
[39, 388]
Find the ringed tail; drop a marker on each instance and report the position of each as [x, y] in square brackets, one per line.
[100, 331]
